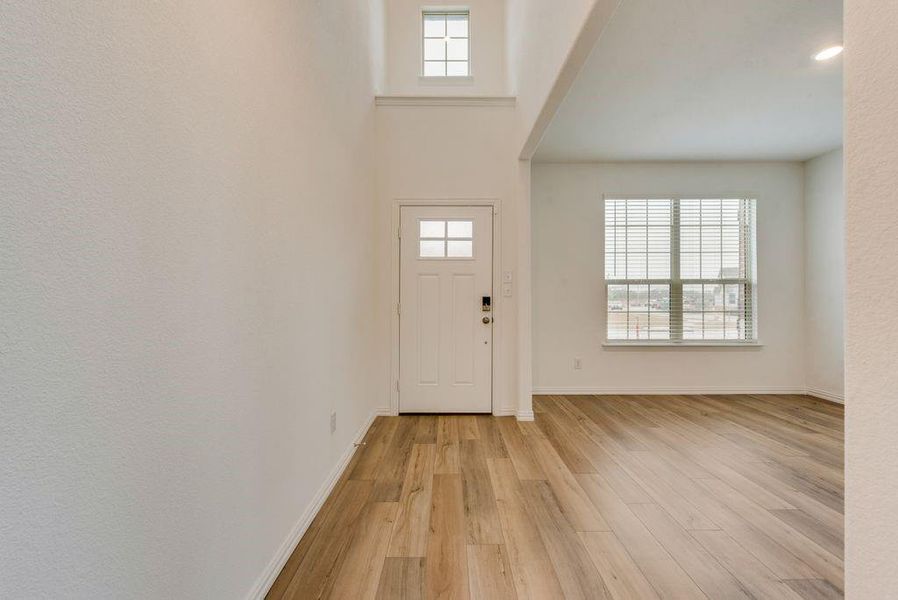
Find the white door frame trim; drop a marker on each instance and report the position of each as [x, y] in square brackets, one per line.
[498, 323]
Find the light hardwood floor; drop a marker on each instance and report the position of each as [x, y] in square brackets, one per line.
[622, 497]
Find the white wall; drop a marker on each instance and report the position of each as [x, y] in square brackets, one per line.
[186, 227]
[540, 37]
[569, 295]
[487, 35]
[871, 327]
[455, 153]
[824, 275]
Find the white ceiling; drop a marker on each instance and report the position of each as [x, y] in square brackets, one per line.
[705, 80]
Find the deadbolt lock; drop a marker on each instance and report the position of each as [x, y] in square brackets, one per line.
[486, 320]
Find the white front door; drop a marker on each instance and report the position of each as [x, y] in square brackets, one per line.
[445, 283]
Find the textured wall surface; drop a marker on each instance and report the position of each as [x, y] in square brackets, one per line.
[186, 221]
[569, 293]
[824, 274]
[871, 332]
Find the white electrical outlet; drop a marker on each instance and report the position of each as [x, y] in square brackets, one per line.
[577, 363]
[333, 422]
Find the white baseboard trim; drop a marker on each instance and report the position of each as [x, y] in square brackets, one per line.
[524, 415]
[504, 412]
[264, 583]
[673, 391]
[818, 393]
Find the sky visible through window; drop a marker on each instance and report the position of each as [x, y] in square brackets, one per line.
[446, 44]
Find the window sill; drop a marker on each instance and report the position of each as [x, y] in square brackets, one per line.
[449, 80]
[696, 344]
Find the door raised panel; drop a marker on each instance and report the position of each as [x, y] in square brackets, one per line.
[462, 330]
[428, 329]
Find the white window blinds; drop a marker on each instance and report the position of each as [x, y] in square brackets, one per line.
[680, 270]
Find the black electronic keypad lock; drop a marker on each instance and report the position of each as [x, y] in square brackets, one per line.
[486, 306]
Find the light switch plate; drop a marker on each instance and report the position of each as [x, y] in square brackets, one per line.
[507, 277]
[506, 290]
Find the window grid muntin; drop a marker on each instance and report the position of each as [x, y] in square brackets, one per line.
[445, 62]
[745, 315]
[445, 237]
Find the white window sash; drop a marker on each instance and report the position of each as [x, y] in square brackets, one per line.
[748, 310]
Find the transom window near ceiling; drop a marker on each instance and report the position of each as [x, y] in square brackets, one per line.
[680, 270]
[446, 239]
[446, 50]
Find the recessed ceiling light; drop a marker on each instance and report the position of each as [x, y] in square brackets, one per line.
[829, 53]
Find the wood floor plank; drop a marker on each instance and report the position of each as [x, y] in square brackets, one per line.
[376, 443]
[604, 454]
[314, 578]
[446, 576]
[815, 589]
[776, 557]
[824, 563]
[409, 537]
[620, 573]
[467, 427]
[635, 537]
[772, 554]
[391, 474]
[809, 484]
[714, 580]
[670, 580]
[829, 540]
[489, 572]
[577, 574]
[664, 492]
[795, 497]
[427, 429]
[682, 497]
[530, 428]
[613, 429]
[777, 428]
[359, 576]
[715, 464]
[518, 449]
[787, 412]
[493, 445]
[323, 522]
[579, 511]
[402, 579]
[757, 578]
[567, 449]
[481, 515]
[446, 462]
[532, 571]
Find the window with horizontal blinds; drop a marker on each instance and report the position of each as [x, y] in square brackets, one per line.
[680, 270]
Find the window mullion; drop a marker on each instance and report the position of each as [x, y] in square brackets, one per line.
[676, 285]
[747, 234]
